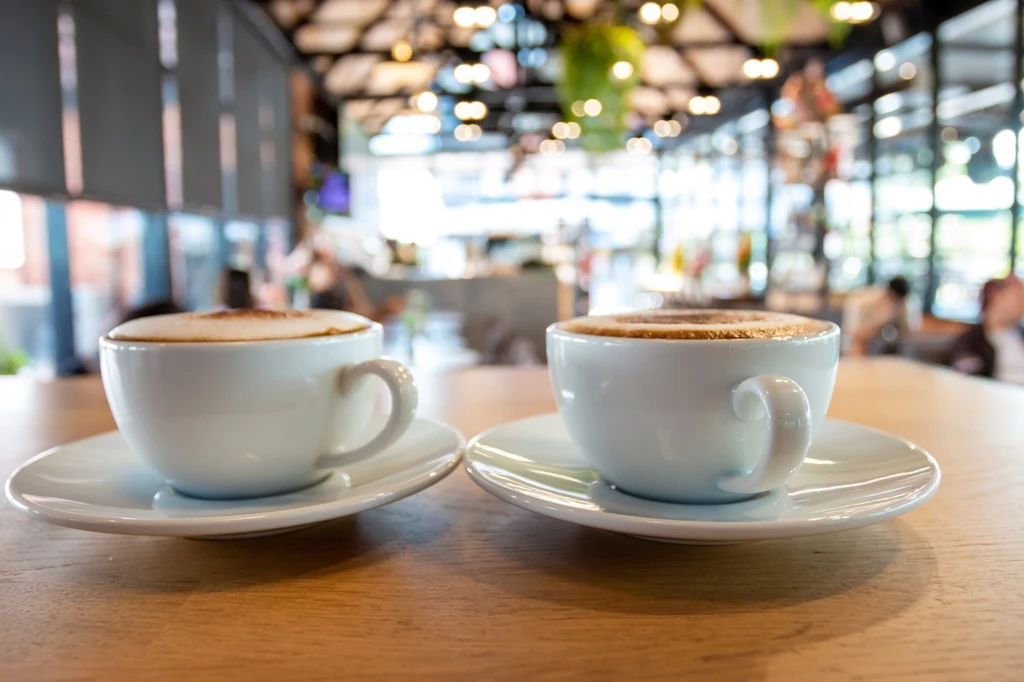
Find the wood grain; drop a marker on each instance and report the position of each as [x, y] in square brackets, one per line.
[453, 584]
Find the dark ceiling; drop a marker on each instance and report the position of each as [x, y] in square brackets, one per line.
[349, 45]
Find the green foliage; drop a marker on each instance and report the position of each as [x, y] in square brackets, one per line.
[590, 50]
[12, 360]
[778, 15]
[588, 53]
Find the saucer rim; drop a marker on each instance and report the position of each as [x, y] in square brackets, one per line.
[235, 524]
[710, 530]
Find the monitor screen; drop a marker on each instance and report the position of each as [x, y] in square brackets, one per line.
[335, 193]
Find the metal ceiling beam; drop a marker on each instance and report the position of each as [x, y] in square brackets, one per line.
[690, 45]
[727, 24]
[304, 21]
[463, 53]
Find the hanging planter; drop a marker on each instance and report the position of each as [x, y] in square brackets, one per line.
[596, 83]
[602, 60]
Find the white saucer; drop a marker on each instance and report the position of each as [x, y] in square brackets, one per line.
[98, 484]
[853, 476]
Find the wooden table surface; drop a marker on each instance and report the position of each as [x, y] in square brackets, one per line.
[452, 584]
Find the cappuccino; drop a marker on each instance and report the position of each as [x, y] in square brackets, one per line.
[239, 325]
[274, 411]
[698, 325]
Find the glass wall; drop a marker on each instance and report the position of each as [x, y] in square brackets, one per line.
[26, 335]
[105, 260]
[195, 260]
[936, 115]
[975, 186]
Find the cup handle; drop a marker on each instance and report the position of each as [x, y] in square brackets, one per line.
[404, 398]
[789, 432]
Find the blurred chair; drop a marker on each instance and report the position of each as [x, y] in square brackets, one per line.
[151, 309]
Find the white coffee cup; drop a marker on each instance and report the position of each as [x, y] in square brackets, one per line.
[693, 421]
[243, 419]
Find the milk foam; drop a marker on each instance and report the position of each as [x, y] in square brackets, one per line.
[239, 325]
[698, 324]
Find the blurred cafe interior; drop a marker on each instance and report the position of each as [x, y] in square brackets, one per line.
[470, 172]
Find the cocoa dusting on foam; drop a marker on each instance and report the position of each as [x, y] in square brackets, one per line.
[239, 325]
[697, 325]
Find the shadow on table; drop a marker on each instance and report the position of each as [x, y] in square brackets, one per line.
[169, 565]
[726, 611]
[611, 572]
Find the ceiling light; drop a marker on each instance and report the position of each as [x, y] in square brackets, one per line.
[707, 105]
[401, 51]
[477, 110]
[592, 107]
[639, 145]
[551, 147]
[465, 17]
[755, 68]
[464, 73]
[560, 130]
[577, 108]
[908, 71]
[769, 68]
[425, 101]
[468, 132]
[674, 128]
[885, 61]
[462, 111]
[661, 128]
[861, 12]
[853, 12]
[481, 73]
[622, 70]
[841, 11]
[650, 13]
[573, 130]
[888, 127]
[485, 16]
[669, 12]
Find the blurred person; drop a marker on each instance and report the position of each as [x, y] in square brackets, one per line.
[236, 290]
[151, 309]
[877, 320]
[337, 287]
[995, 347]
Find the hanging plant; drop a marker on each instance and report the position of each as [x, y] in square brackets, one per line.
[778, 15]
[590, 52]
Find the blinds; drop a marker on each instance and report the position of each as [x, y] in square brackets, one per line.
[262, 125]
[31, 140]
[217, 67]
[200, 104]
[276, 131]
[248, 53]
[119, 101]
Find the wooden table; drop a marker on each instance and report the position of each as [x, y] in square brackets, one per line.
[453, 584]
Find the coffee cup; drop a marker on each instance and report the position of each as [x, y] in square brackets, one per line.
[243, 404]
[694, 407]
